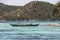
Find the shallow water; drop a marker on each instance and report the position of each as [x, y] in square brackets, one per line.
[7, 32]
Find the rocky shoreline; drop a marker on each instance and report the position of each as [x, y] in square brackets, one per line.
[57, 25]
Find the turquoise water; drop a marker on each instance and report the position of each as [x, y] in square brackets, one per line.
[8, 32]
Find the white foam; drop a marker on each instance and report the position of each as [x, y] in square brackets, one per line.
[5, 25]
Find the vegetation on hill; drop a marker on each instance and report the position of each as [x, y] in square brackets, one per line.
[39, 10]
[35, 10]
[56, 11]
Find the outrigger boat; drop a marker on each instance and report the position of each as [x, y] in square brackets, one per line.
[24, 24]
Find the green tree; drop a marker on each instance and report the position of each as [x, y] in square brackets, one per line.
[56, 12]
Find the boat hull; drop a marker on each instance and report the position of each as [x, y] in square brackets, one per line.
[24, 25]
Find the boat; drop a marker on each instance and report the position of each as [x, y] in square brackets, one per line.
[24, 24]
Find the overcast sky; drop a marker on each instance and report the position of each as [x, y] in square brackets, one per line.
[23, 2]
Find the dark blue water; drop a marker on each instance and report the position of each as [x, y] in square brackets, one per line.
[7, 32]
[30, 36]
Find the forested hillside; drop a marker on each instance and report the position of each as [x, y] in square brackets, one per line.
[56, 12]
[35, 10]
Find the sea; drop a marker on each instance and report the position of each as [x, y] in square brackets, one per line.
[8, 32]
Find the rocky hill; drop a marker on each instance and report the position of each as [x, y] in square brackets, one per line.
[31, 11]
[56, 12]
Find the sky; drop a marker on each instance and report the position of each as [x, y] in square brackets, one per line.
[23, 2]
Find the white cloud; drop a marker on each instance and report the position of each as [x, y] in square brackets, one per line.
[23, 2]
[1, 1]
